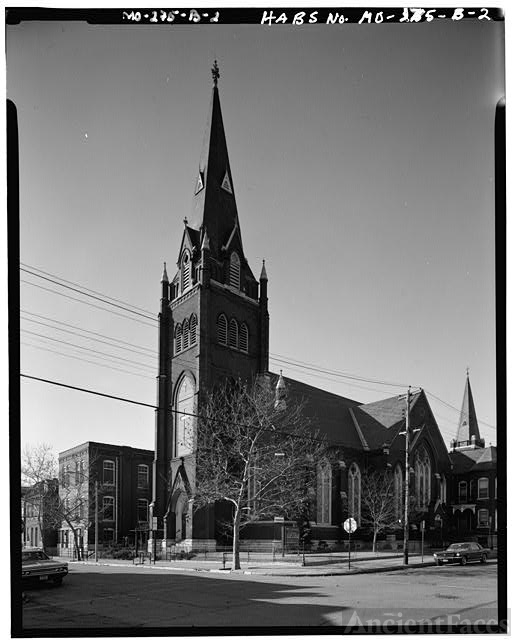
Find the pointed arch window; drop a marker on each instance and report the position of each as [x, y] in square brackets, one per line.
[186, 271]
[233, 334]
[235, 270]
[354, 491]
[423, 478]
[185, 339]
[193, 326]
[178, 338]
[324, 493]
[398, 492]
[243, 337]
[222, 329]
[184, 418]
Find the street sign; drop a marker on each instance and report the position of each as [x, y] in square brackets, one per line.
[279, 519]
[350, 525]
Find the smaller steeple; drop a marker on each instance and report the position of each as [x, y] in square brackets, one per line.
[263, 273]
[280, 393]
[164, 275]
[468, 435]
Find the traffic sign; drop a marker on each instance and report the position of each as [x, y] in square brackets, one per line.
[350, 525]
[279, 519]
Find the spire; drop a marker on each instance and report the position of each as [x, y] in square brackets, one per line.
[205, 245]
[468, 428]
[280, 393]
[164, 275]
[263, 273]
[214, 204]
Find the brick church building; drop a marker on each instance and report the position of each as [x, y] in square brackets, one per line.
[214, 323]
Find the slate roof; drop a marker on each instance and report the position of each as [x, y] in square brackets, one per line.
[479, 459]
[380, 421]
[329, 412]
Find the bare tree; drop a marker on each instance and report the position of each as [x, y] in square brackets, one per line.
[378, 502]
[69, 503]
[39, 475]
[256, 453]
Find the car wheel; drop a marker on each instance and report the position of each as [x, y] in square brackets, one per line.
[57, 581]
[463, 561]
[484, 558]
[439, 563]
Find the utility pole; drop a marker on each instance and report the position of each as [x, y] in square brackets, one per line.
[406, 478]
[96, 520]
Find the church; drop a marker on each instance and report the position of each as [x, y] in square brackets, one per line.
[213, 324]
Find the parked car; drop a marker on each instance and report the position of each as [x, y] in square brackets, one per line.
[462, 552]
[36, 566]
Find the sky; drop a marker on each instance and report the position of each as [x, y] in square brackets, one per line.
[363, 170]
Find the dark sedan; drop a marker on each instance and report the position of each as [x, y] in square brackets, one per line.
[462, 552]
[36, 566]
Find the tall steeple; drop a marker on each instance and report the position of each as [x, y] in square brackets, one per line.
[468, 428]
[214, 208]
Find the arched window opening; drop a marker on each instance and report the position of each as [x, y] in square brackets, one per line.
[233, 334]
[398, 493]
[222, 329]
[235, 270]
[354, 492]
[184, 418]
[185, 334]
[178, 339]
[186, 272]
[423, 478]
[324, 493]
[193, 326]
[243, 337]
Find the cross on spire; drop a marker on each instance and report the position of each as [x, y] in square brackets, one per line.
[215, 73]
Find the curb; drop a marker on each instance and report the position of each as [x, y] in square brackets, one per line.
[345, 572]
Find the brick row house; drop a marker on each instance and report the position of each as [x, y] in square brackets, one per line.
[38, 513]
[109, 483]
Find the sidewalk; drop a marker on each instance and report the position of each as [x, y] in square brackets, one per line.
[316, 565]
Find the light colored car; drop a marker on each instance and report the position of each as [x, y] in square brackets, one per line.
[462, 552]
[36, 566]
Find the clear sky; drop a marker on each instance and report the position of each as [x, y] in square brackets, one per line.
[363, 169]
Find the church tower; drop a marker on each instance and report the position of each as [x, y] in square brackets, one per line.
[213, 324]
[468, 436]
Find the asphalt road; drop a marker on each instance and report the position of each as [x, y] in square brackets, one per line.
[104, 597]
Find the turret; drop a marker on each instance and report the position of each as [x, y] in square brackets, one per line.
[263, 360]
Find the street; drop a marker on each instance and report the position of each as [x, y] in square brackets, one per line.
[106, 597]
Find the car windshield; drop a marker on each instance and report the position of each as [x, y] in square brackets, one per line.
[32, 556]
[457, 547]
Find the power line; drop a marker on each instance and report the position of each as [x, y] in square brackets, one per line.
[98, 364]
[292, 362]
[115, 346]
[89, 304]
[334, 372]
[465, 413]
[76, 346]
[103, 295]
[96, 333]
[89, 295]
[175, 411]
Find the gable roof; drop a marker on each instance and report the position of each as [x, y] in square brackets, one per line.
[380, 421]
[328, 411]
